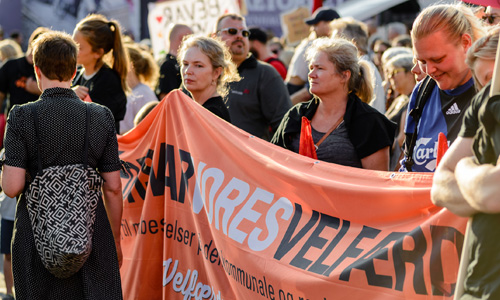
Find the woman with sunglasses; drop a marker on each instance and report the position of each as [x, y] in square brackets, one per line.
[345, 129]
[402, 81]
[491, 16]
[206, 70]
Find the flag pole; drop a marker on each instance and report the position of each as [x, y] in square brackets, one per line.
[464, 262]
[495, 80]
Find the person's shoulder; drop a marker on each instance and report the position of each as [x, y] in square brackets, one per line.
[482, 95]
[99, 110]
[304, 108]
[19, 111]
[107, 75]
[360, 106]
[106, 70]
[266, 69]
[360, 109]
[264, 65]
[11, 63]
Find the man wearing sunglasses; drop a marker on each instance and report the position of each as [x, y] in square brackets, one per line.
[259, 100]
[491, 15]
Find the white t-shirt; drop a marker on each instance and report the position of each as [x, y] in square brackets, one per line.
[379, 99]
[298, 65]
[140, 95]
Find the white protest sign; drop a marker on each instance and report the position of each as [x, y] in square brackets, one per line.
[200, 15]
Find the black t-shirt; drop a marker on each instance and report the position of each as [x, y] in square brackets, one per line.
[217, 106]
[170, 76]
[13, 76]
[482, 121]
[105, 88]
[483, 273]
[337, 148]
[448, 103]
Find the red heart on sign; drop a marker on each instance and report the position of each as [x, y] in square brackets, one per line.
[159, 18]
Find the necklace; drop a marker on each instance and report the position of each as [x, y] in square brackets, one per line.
[328, 132]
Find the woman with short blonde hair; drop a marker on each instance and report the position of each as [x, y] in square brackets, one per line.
[207, 70]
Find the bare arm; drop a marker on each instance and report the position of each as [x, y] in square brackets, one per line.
[32, 86]
[400, 139]
[479, 184]
[113, 201]
[445, 191]
[377, 161]
[13, 180]
[81, 91]
[296, 80]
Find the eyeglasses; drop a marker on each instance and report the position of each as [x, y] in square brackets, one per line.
[234, 31]
[395, 71]
[490, 19]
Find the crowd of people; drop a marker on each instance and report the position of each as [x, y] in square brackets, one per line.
[371, 101]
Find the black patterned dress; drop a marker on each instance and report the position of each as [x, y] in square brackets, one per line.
[61, 116]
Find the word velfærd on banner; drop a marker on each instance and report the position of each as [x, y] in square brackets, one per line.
[187, 284]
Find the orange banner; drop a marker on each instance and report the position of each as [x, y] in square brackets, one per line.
[211, 212]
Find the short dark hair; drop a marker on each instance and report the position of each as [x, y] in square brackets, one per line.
[55, 53]
[257, 34]
[15, 34]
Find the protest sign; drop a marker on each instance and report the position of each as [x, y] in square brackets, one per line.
[212, 212]
[200, 15]
[293, 25]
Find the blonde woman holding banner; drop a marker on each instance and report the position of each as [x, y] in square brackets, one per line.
[344, 128]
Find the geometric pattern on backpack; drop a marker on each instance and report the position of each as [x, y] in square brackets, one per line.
[62, 202]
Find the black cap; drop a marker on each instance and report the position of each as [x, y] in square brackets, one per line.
[322, 14]
[257, 34]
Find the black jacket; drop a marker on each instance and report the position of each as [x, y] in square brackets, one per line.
[368, 130]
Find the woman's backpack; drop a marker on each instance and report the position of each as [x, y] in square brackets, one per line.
[62, 202]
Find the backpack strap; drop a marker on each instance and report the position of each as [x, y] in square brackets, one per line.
[38, 142]
[87, 130]
[423, 94]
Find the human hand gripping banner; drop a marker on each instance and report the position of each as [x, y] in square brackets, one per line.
[211, 212]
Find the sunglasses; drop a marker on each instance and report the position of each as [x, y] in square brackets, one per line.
[234, 31]
[490, 19]
[394, 72]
